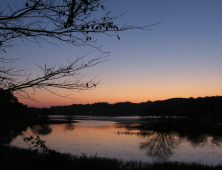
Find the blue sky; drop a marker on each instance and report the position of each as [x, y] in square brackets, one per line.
[180, 57]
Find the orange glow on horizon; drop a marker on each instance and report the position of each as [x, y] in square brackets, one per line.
[51, 100]
[129, 92]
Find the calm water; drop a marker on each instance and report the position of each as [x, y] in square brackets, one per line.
[114, 140]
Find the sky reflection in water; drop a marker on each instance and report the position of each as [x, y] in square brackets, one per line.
[113, 140]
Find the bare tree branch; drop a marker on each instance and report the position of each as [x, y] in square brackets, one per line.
[53, 77]
[67, 21]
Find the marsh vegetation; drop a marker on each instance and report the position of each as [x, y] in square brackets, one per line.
[12, 158]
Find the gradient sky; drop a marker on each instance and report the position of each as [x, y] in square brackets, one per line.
[181, 57]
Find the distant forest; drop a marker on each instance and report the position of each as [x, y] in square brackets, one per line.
[207, 106]
[189, 107]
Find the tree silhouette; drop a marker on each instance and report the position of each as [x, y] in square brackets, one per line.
[54, 21]
[12, 110]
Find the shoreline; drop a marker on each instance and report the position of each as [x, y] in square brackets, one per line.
[118, 119]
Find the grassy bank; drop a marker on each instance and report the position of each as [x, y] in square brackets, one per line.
[16, 158]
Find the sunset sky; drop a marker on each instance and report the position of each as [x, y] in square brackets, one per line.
[180, 57]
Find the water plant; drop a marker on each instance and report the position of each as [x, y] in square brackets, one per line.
[36, 144]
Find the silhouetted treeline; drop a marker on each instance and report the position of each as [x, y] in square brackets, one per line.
[200, 107]
[206, 106]
[105, 109]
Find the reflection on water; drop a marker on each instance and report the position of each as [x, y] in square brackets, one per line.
[69, 126]
[160, 145]
[42, 129]
[127, 142]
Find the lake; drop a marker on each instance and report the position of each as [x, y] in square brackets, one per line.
[119, 137]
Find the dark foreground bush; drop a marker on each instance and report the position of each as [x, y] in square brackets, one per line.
[16, 158]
